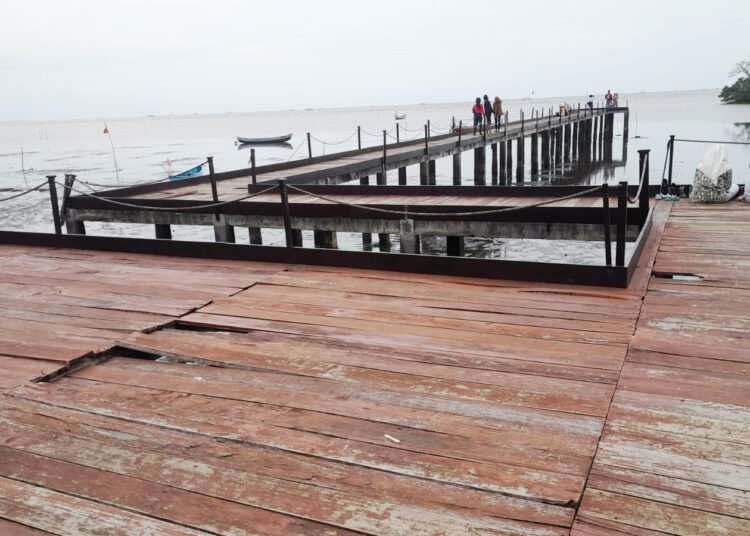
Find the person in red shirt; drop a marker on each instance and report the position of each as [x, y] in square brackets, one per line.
[478, 111]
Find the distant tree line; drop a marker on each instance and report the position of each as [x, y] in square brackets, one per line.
[739, 92]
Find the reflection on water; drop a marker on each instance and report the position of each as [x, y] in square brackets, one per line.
[742, 132]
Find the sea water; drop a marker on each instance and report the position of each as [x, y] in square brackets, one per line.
[146, 148]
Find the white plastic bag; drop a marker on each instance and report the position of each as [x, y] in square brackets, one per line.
[713, 178]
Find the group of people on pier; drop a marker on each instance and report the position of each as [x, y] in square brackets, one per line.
[483, 112]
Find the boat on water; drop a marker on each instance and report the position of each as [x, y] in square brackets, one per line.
[276, 139]
[192, 172]
[399, 117]
[283, 145]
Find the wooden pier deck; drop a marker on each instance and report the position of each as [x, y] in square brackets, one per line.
[281, 399]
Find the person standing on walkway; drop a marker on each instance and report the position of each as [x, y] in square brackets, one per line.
[487, 113]
[478, 112]
[608, 99]
[497, 109]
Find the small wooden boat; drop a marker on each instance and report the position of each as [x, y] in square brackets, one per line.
[277, 139]
[399, 117]
[192, 172]
[244, 146]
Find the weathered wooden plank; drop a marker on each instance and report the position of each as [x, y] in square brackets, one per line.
[657, 516]
[62, 514]
[303, 469]
[360, 513]
[317, 360]
[193, 510]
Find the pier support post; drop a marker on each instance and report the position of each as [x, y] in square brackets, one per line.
[558, 146]
[494, 163]
[509, 159]
[384, 242]
[424, 178]
[520, 153]
[325, 239]
[501, 163]
[408, 240]
[609, 136]
[574, 143]
[545, 150]
[163, 231]
[455, 246]
[297, 238]
[402, 176]
[457, 168]
[381, 179]
[431, 173]
[366, 237]
[622, 223]
[479, 166]
[566, 143]
[223, 232]
[73, 226]
[255, 236]
[534, 155]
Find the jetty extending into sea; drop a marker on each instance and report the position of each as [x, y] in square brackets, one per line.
[167, 387]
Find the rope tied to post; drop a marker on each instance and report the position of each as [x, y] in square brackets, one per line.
[634, 199]
[166, 209]
[406, 212]
[23, 193]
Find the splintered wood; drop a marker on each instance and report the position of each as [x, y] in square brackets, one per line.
[298, 400]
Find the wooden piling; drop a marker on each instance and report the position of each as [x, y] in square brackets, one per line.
[509, 159]
[574, 142]
[457, 169]
[501, 163]
[455, 246]
[366, 237]
[566, 143]
[402, 176]
[255, 236]
[545, 150]
[534, 155]
[424, 178]
[325, 239]
[431, 173]
[479, 166]
[380, 179]
[521, 157]
[163, 231]
[494, 163]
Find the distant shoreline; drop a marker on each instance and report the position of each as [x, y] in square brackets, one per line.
[384, 107]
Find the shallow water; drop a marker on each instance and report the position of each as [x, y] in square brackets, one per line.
[143, 145]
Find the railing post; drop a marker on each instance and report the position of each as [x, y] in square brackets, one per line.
[252, 164]
[309, 146]
[622, 222]
[429, 129]
[286, 214]
[426, 140]
[212, 177]
[607, 225]
[53, 200]
[671, 157]
[69, 180]
[460, 131]
[453, 123]
[643, 171]
[398, 135]
[385, 143]
[359, 138]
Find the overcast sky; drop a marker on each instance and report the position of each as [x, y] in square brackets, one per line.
[112, 58]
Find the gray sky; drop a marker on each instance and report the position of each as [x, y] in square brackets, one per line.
[112, 58]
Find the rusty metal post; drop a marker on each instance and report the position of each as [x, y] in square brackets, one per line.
[53, 200]
[643, 171]
[671, 157]
[622, 223]
[252, 164]
[606, 220]
[286, 214]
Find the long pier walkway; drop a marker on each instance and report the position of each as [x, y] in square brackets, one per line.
[225, 397]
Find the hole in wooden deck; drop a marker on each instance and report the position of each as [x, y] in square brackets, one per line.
[678, 276]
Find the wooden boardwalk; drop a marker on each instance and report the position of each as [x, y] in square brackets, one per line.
[298, 400]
